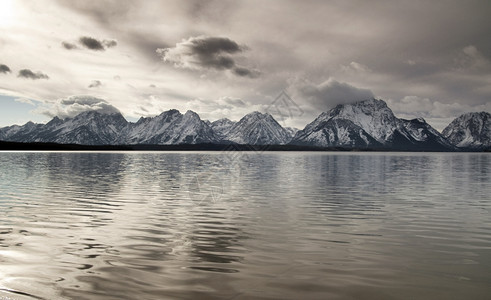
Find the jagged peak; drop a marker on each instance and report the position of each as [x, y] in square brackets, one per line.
[222, 120]
[364, 105]
[256, 115]
[192, 114]
[366, 102]
[55, 120]
[416, 120]
[481, 114]
[171, 111]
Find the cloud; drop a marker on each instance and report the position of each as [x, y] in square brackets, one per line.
[95, 44]
[328, 94]
[105, 12]
[223, 107]
[74, 105]
[91, 43]
[26, 73]
[69, 46]
[414, 106]
[244, 72]
[204, 52]
[110, 43]
[4, 69]
[354, 67]
[25, 100]
[231, 102]
[402, 57]
[436, 113]
[95, 83]
[472, 58]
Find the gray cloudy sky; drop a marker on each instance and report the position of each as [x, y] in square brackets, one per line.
[227, 58]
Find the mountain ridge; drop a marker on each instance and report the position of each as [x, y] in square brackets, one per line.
[368, 124]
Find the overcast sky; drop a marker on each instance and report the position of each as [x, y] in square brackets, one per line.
[220, 58]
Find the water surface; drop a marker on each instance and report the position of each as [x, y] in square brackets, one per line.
[217, 225]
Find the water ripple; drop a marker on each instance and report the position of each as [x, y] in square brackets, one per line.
[262, 225]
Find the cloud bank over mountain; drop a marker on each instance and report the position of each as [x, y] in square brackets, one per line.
[74, 105]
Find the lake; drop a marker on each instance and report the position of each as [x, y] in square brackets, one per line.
[245, 225]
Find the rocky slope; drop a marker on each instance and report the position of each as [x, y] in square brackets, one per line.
[470, 131]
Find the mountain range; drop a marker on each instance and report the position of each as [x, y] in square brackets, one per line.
[368, 124]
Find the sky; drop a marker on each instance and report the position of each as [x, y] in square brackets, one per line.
[222, 58]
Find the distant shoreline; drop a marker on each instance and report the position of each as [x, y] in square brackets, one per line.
[17, 146]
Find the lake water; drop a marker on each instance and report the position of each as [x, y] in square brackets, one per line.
[231, 225]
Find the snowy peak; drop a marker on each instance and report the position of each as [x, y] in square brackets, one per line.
[369, 124]
[222, 126]
[333, 132]
[16, 132]
[170, 127]
[373, 115]
[258, 129]
[417, 134]
[470, 131]
[88, 128]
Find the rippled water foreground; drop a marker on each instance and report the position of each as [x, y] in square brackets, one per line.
[213, 225]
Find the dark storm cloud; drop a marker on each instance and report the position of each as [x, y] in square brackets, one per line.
[205, 52]
[95, 83]
[328, 94]
[4, 69]
[68, 46]
[95, 44]
[244, 72]
[91, 43]
[26, 73]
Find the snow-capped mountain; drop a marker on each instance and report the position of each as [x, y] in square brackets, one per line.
[258, 129]
[94, 128]
[416, 134]
[369, 124]
[365, 124]
[222, 127]
[168, 128]
[331, 132]
[470, 131]
[18, 133]
[87, 128]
